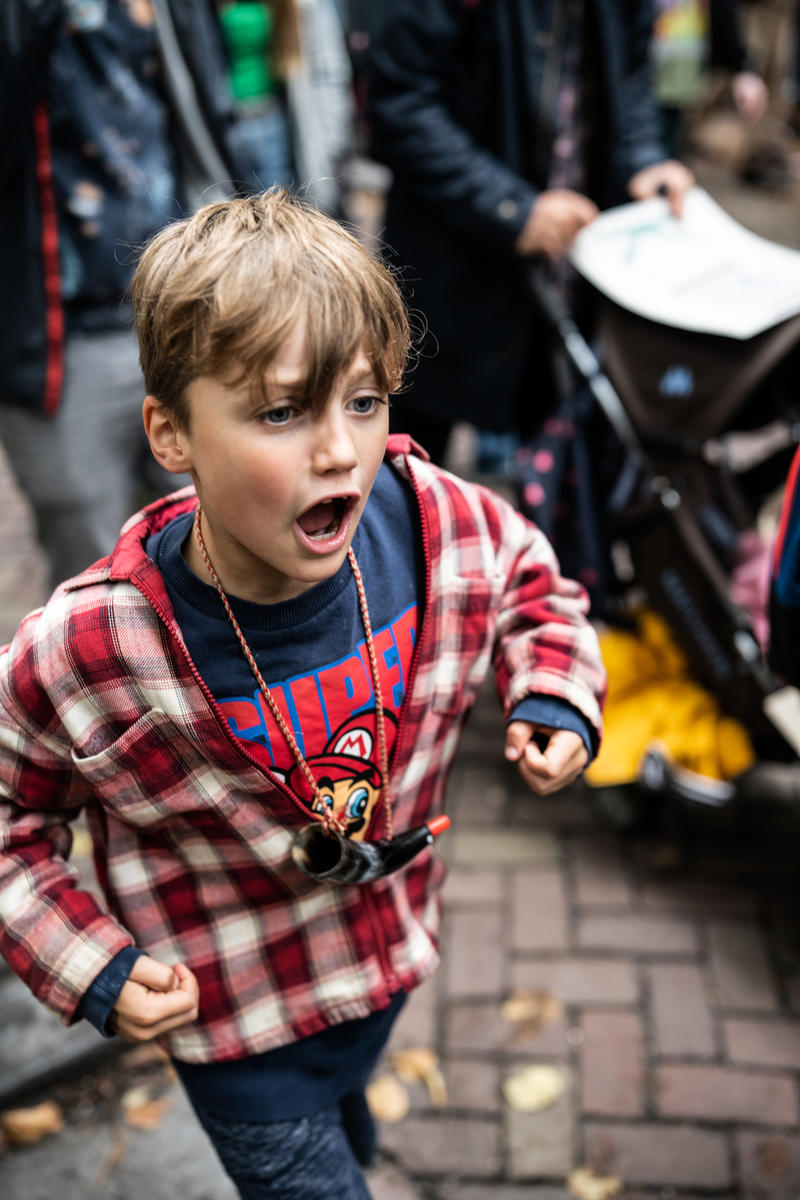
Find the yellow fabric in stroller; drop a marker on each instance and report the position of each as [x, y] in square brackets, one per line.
[652, 698]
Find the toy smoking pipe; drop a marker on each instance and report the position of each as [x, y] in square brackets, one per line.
[330, 858]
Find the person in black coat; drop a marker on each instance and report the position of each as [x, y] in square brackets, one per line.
[507, 124]
[115, 118]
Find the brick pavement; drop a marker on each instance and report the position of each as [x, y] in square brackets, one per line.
[680, 1035]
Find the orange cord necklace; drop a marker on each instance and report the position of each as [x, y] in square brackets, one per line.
[334, 824]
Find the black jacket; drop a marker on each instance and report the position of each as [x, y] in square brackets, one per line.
[32, 325]
[454, 110]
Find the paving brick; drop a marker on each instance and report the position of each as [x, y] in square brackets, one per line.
[681, 1019]
[540, 1144]
[539, 910]
[481, 1028]
[724, 1094]
[502, 1191]
[470, 886]
[657, 1154]
[744, 863]
[476, 795]
[698, 897]
[472, 1085]
[567, 810]
[612, 1062]
[741, 973]
[769, 1164]
[386, 1182]
[432, 1145]
[784, 933]
[474, 960]
[667, 1194]
[646, 935]
[600, 878]
[505, 847]
[792, 986]
[416, 1025]
[581, 980]
[773, 1042]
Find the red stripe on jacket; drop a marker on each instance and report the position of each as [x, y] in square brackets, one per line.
[786, 508]
[54, 310]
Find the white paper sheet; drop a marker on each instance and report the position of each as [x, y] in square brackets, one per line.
[704, 272]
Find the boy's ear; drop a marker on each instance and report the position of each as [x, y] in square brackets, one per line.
[167, 441]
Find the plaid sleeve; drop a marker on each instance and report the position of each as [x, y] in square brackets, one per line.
[544, 643]
[53, 935]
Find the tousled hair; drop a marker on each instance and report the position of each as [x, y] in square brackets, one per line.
[218, 293]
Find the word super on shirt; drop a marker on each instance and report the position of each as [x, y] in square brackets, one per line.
[312, 653]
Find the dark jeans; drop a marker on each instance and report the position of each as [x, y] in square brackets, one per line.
[307, 1158]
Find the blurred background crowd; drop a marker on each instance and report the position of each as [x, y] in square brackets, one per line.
[467, 134]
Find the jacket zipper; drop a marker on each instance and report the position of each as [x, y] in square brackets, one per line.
[221, 722]
[370, 906]
[412, 674]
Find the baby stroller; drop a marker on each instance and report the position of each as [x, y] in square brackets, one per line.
[695, 431]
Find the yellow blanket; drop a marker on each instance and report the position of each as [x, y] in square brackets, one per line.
[652, 698]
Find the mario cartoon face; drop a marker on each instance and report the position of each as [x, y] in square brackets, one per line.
[347, 779]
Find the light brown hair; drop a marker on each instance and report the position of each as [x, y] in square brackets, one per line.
[217, 294]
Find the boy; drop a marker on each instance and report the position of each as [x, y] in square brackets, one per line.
[300, 646]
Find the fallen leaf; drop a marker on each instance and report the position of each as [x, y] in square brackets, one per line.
[414, 1063]
[24, 1126]
[388, 1099]
[773, 1158]
[149, 1115]
[147, 1055]
[530, 1011]
[136, 1097]
[534, 1088]
[112, 1160]
[420, 1064]
[584, 1184]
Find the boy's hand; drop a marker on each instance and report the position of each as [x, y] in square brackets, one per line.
[560, 762]
[155, 999]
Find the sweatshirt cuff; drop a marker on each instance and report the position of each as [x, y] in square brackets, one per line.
[557, 714]
[103, 992]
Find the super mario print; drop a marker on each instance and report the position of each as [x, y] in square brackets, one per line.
[331, 713]
[347, 776]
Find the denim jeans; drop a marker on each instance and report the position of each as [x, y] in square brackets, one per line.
[261, 148]
[88, 467]
[307, 1158]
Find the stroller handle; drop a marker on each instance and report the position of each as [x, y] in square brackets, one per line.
[553, 308]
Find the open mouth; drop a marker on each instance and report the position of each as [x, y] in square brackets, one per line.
[327, 520]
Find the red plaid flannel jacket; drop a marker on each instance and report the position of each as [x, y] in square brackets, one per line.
[101, 709]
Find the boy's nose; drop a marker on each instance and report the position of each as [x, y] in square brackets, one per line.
[335, 449]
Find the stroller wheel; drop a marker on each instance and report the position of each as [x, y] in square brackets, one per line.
[624, 808]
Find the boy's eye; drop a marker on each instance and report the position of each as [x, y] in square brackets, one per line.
[364, 405]
[280, 415]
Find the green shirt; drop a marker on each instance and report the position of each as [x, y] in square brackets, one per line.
[248, 32]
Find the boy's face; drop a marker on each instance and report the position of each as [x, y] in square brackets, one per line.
[282, 490]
